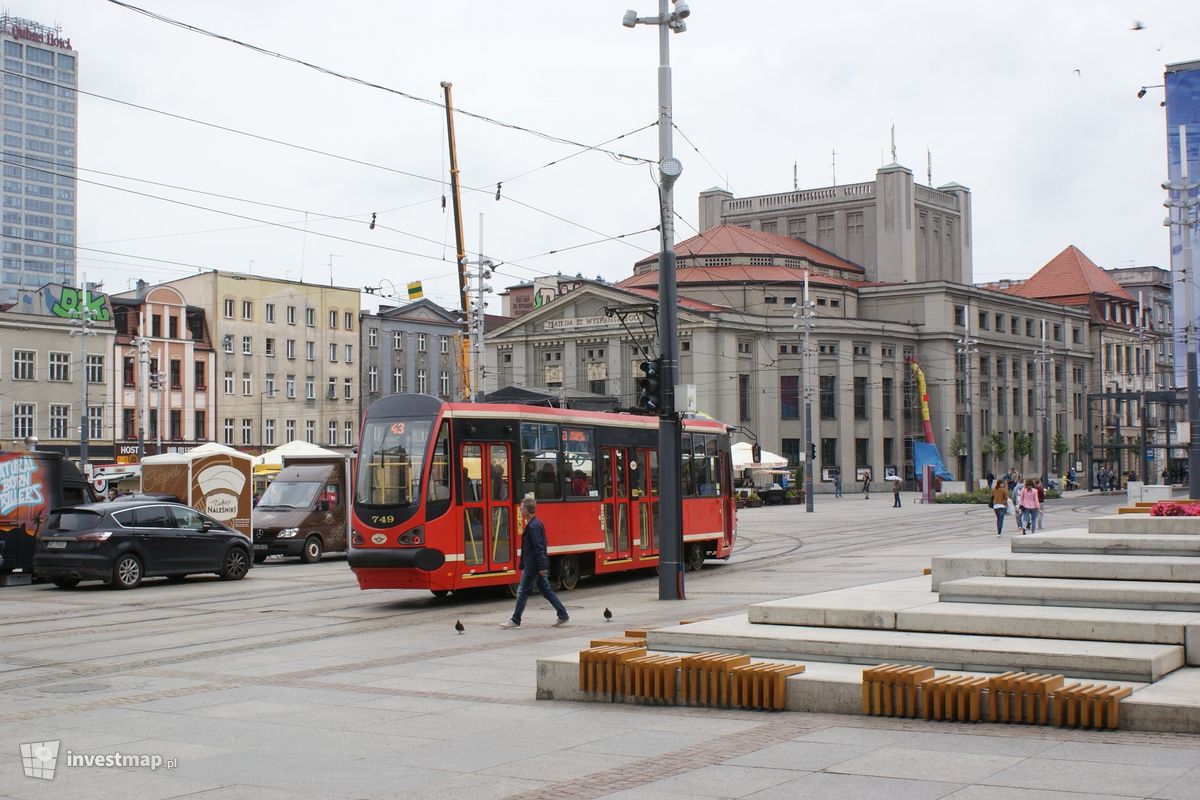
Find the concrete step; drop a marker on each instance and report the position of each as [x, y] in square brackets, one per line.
[1141, 524]
[1077, 659]
[863, 607]
[1108, 544]
[1152, 595]
[1103, 567]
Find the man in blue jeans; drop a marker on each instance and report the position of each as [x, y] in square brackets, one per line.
[535, 563]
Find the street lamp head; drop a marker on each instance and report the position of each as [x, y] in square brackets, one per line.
[1141, 93]
[630, 19]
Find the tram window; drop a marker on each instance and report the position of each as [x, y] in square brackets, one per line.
[439, 469]
[472, 476]
[579, 459]
[653, 473]
[713, 456]
[606, 488]
[686, 481]
[701, 475]
[390, 462]
[539, 457]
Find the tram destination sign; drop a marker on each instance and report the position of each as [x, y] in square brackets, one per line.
[579, 323]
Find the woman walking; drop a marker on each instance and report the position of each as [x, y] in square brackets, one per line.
[1028, 506]
[866, 489]
[1000, 504]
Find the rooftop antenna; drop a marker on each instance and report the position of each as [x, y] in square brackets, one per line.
[893, 144]
[332, 256]
[833, 165]
[929, 167]
[795, 176]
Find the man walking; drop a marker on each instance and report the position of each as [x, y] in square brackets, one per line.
[837, 483]
[896, 494]
[535, 563]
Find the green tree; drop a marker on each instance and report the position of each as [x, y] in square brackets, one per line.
[1023, 446]
[958, 445]
[998, 446]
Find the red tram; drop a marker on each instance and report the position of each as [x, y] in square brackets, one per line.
[439, 485]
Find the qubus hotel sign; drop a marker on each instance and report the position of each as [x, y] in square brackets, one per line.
[39, 35]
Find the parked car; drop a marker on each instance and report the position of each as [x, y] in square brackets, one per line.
[123, 541]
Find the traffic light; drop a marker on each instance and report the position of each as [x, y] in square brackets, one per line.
[756, 452]
[649, 388]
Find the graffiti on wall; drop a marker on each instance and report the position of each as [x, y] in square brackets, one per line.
[21, 484]
[69, 303]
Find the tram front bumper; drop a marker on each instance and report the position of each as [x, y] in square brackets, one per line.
[422, 558]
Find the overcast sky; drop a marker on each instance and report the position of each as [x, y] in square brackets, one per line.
[1031, 104]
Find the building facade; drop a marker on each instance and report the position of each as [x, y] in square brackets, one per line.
[896, 229]
[42, 367]
[41, 71]
[410, 349]
[287, 359]
[163, 397]
[740, 349]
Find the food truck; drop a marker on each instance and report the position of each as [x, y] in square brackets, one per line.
[32, 482]
[212, 478]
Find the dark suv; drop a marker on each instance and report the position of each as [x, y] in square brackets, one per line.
[123, 541]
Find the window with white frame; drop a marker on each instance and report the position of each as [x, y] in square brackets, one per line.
[269, 346]
[247, 309]
[269, 312]
[420, 343]
[290, 349]
[310, 388]
[289, 429]
[444, 343]
[348, 434]
[331, 389]
[373, 379]
[228, 382]
[23, 419]
[333, 320]
[349, 321]
[60, 367]
[372, 337]
[397, 340]
[247, 431]
[228, 308]
[60, 421]
[347, 389]
[333, 432]
[229, 430]
[246, 390]
[310, 317]
[95, 422]
[247, 345]
[333, 352]
[397, 381]
[291, 315]
[291, 390]
[349, 353]
[310, 351]
[227, 342]
[422, 382]
[24, 365]
[270, 387]
[269, 432]
[444, 384]
[310, 431]
[95, 369]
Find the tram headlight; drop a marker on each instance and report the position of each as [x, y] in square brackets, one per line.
[289, 533]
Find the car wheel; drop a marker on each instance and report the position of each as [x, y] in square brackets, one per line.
[568, 572]
[66, 583]
[260, 557]
[312, 550]
[235, 565]
[127, 572]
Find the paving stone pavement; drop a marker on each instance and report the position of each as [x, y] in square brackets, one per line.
[293, 685]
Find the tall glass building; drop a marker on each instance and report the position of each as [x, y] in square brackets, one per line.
[41, 72]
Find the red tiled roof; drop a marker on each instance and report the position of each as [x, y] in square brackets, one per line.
[685, 302]
[1070, 274]
[736, 241]
[739, 274]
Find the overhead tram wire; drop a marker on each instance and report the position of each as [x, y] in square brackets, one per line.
[488, 190]
[697, 149]
[371, 84]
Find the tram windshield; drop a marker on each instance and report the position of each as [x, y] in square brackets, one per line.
[390, 462]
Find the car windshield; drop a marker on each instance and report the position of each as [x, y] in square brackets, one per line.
[390, 462]
[290, 494]
[73, 520]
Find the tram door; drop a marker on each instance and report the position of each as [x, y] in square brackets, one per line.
[643, 473]
[487, 507]
[616, 510]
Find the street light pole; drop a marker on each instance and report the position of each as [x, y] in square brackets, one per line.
[670, 572]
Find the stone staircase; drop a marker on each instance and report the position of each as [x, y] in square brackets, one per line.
[1118, 602]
